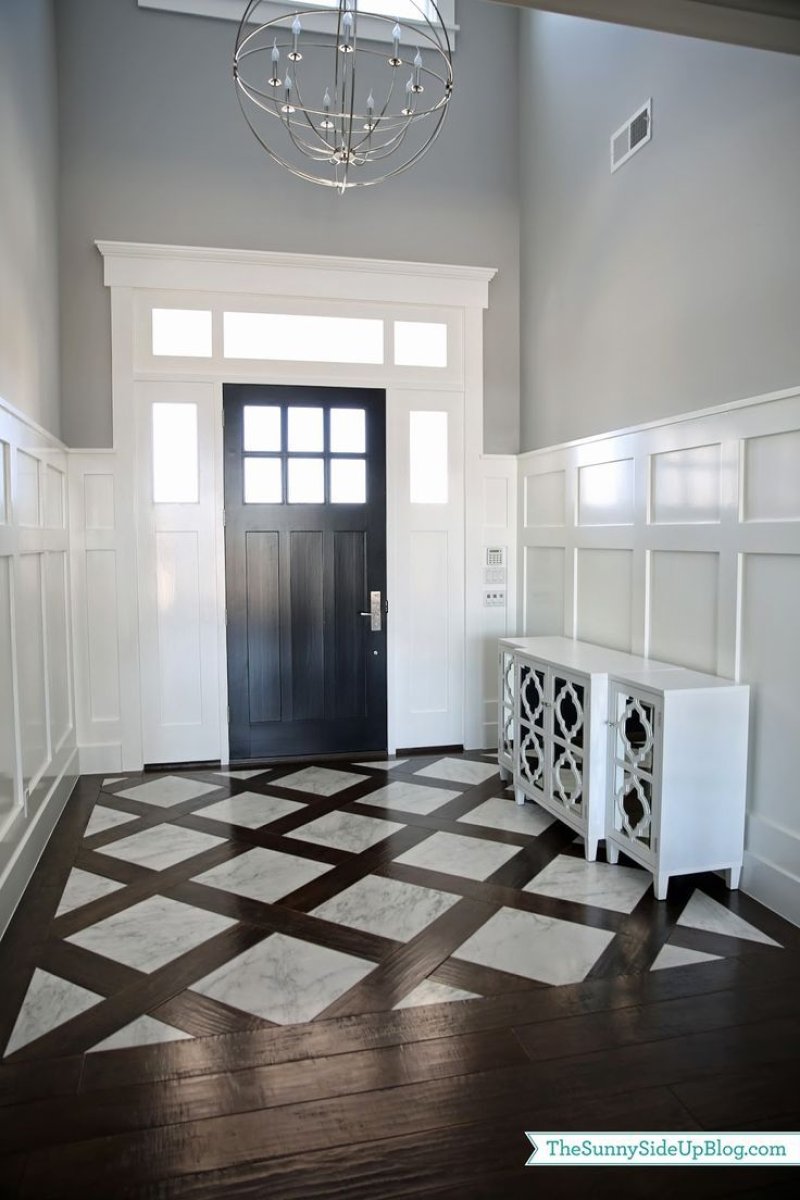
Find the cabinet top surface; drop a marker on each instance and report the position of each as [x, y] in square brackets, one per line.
[677, 680]
[583, 656]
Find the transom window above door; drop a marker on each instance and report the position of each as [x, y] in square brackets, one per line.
[304, 454]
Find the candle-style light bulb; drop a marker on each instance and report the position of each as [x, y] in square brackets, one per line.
[417, 69]
[275, 79]
[395, 60]
[297, 28]
[347, 30]
[288, 107]
[370, 122]
[408, 110]
[327, 123]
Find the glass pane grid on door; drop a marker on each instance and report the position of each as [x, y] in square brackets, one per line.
[304, 454]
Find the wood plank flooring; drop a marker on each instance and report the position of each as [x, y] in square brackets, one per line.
[367, 1100]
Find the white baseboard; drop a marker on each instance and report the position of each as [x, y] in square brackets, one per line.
[772, 886]
[100, 760]
[28, 851]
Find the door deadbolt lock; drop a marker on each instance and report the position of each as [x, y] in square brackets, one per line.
[375, 615]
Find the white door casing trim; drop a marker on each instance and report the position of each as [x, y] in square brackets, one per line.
[200, 277]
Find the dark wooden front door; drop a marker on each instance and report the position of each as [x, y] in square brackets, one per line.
[305, 549]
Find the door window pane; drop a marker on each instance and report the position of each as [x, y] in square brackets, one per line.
[348, 481]
[262, 427]
[175, 454]
[428, 458]
[182, 332]
[306, 481]
[420, 344]
[293, 338]
[262, 481]
[305, 428]
[348, 431]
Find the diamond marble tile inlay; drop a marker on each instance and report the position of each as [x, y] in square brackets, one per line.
[409, 797]
[388, 907]
[677, 956]
[614, 887]
[320, 781]
[460, 770]
[49, 1002]
[500, 813]
[103, 818]
[457, 855]
[284, 980]
[383, 764]
[345, 831]
[704, 913]
[430, 992]
[83, 887]
[169, 790]
[161, 846]
[537, 947]
[265, 875]
[250, 809]
[144, 1031]
[151, 933]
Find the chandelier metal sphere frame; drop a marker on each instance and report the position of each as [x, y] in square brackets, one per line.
[349, 111]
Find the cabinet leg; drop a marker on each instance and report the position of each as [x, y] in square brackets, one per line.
[732, 877]
[612, 853]
[591, 849]
[660, 885]
[505, 775]
[519, 795]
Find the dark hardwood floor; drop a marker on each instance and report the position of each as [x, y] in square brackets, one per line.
[367, 1100]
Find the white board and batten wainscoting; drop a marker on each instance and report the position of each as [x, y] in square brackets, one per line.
[681, 540]
[38, 758]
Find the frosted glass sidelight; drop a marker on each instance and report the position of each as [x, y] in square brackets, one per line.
[175, 479]
[262, 481]
[348, 431]
[182, 333]
[262, 427]
[348, 481]
[293, 338]
[306, 481]
[305, 429]
[420, 344]
[428, 468]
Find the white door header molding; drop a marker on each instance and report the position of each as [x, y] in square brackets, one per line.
[199, 268]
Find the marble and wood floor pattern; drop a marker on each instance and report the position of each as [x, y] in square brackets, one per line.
[368, 979]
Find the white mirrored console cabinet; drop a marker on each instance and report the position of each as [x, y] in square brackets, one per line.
[647, 755]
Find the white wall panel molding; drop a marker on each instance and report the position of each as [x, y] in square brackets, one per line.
[38, 761]
[691, 554]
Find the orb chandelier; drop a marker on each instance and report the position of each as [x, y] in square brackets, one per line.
[337, 107]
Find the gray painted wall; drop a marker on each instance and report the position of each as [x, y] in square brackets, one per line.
[675, 283]
[154, 148]
[28, 211]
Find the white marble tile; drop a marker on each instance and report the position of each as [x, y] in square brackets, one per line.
[410, 797]
[49, 1002]
[346, 831]
[704, 913]
[250, 809]
[387, 907]
[500, 813]
[261, 874]
[113, 779]
[459, 770]
[470, 857]
[429, 992]
[283, 979]
[677, 956]
[151, 933]
[161, 846]
[614, 887]
[320, 781]
[144, 1031]
[82, 887]
[383, 764]
[103, 818]
[241, 774]
[169, 790]
[537, 947]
